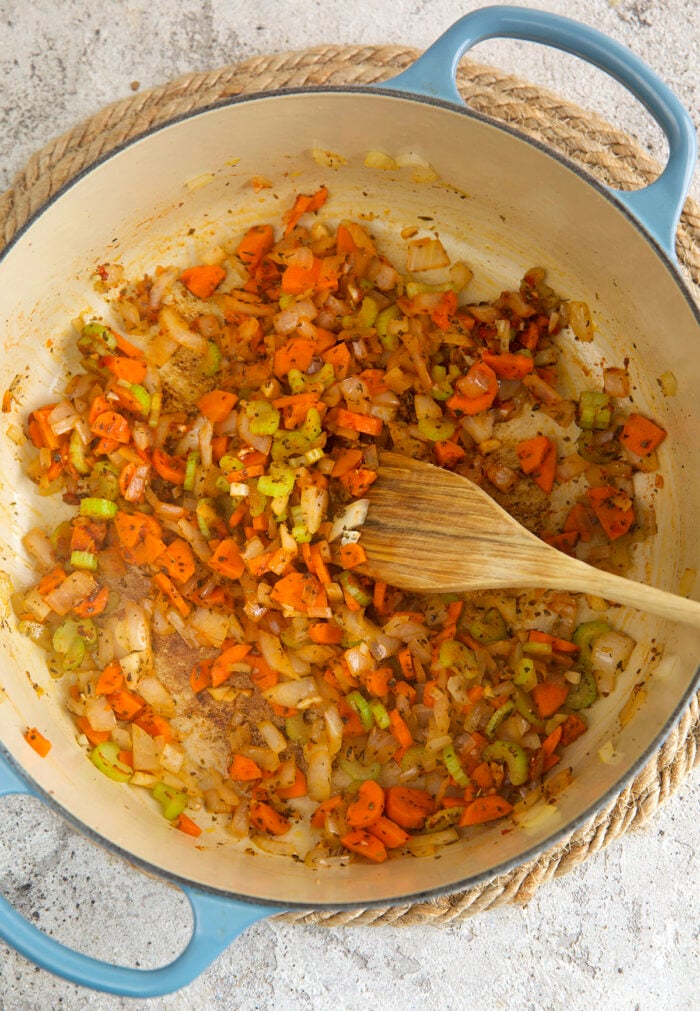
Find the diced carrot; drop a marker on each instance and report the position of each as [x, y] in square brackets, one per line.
[550, 743]
[303, 204]
[227, 559]
[166, 586]
[266, 819]
[485, 809]
[111, 425]
[35, 740]
[94, 603]
[200, 678]
[366, 845]
[640, 435]
[388, 832]
[358, 481]
[339, 357]
[363, 423]
[300, 591]
[110, 680]
[255, 244]
[408, 806]
[325, 633]
[186, 825]
[154, 724]
[352, 555]
[93, 736]
[477, 390]
[131, 370]
[538, 457]
[579, 521]
[448, 453]
[399, 729]
[407, 663]
[377, 681]
[549, 697]
[51, 581]
[615, 519]
[572, 728]
[561, 645]
[508, 365]
[482, 776]
[216, 405]
[177, 560]
[221, 667]
[297, 789]
[244, 769]
[170, 468]
[367, 806]
[127, 757]
[296, 353]
[262, 675]
[126, 704]
[405, 689]
[203, 280]
[346, 460]
[318, 818]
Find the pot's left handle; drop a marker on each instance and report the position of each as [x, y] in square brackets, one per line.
[217, 921]
[658, 206]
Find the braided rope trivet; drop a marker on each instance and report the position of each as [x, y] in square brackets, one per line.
[581, 136]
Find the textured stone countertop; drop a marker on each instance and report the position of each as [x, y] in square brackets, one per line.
[623, 930]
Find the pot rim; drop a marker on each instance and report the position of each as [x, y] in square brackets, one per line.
[614, 791]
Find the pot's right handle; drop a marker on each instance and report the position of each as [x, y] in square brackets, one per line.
[658, 206]
[217, 921]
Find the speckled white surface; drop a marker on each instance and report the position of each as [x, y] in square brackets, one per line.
[623, 930]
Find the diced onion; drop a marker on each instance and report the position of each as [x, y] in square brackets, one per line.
[611, 651]
[349, 518]
[175, 327]
[294, 694]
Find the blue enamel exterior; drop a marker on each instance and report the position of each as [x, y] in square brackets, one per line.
[218, 920]
[658, 206]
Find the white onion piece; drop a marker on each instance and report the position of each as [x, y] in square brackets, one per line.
[62, 418]
[288, 319]
[349, 518]
[314, 503]
[298, 694]
[72, 590]
[479, 426]
[403, 629]
[334, 729]
[146, 750]
[611, 651]
[162, 283]
[274, 654]
[272, 737]
[176, 328]
[100, 714]
[318, 771]
[40, 548]
[426, 254]
[157, 697]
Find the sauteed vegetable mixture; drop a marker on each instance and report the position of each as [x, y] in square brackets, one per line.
[204, 606]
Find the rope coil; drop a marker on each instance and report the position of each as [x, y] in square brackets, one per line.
[580, 136]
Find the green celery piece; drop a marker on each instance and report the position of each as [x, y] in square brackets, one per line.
[98, 508]
[172, 801]
[212, 359]
[490, 627]
[437, 429]
[584, 694]
[498, 717]
[264, 419]
[105, 756]
[514, 757]
[361, 706]
[454, 766]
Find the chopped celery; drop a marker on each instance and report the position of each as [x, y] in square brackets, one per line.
[594, 410]
[296, 380]
[96, 338]
[357, 771]
[206, 516]
[446, 817]
[454, 655]
[498, 717]
[514, 757]
[381, 716]
[537, 648]
[76, 453]
[584, 693]
[454, 766]
[68, 644]
[230, 463]
[142, 396]
[584, 637]
[351, 586]
[278, 481]
[156, 405]
[296, 728]
[523, 704]
[526, 674]
[212, 359]
[361, 706]
[413, 757]
[367, 313]
[98, 508]
[436, 429]
[105, 757]
[190, 469]
[264, 419]
[300, 534]
[490, 627]
[83, 560]
[85, 628]
[172, 801]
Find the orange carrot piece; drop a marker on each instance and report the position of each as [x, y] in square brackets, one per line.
[400, 729]
[127, 757]
[220, 670]
[266, 819]
[244, 769]
[482, 776]
[339, 357]
[303, 204]
[550, 743]
[131, 370]
[470, 399]
[388, 832]
[367, 806]
[94, 603]
[572, 727]
[35, 740]
[167, 588]
[300, 591]
[640, 435]
[255, 244]
[295, 353]
[407, 663]
[177, 560]
[111, 425]
[615, 520]
[93, 736]
[154, 724]
[170, 468]
[318, 818]
[203, 280]
[549, 697]
[408, 806]
[579, 521]
[186, 825]
[377, 681]
[216, 405]
[485, 809]
[363, 423]
[110, 680]
[325, 633]
[346, 460]
[538, 458]
[126, 704]
[366, 845]
[508, 365]
[227, 560]
[357, 482]
[448, 454]
[560, 645]
[200, 678]
[352, 555]
[51, 581]
[297, 789]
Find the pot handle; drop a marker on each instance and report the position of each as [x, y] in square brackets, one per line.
[217, 921]
[656, 207]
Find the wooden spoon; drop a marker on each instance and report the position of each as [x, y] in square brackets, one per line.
[428, 529]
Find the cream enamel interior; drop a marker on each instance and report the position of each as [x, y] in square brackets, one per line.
[502, 205]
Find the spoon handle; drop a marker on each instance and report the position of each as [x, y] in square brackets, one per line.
[573, 574]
